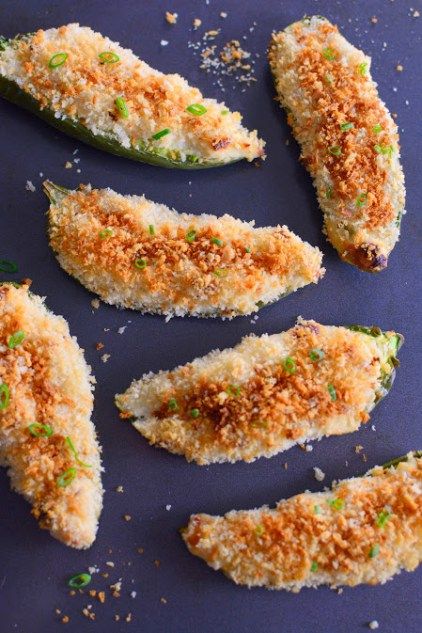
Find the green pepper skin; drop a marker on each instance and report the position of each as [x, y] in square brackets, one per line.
[13, 93]
[403, 458]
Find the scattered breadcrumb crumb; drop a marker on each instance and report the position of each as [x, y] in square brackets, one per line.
[286, 465]
[374, 19]
[117, 617]
[399, 68]
[416, 13]
[358, 449]
[121, 329]
[119, 489]
[373, 625]
[94, 569]
[196, 23]
[223, 15]
[99, 346]
[171, 18]
[140, 550]
[110, 563]
[163, 600]
[164, 42]
[95, 303]
[68, 165]
[101, 596]
[65, 619]
[29, 186]
[168, 507]
[127, 517]
[128, 617]
[133, 594]
[157, 563]
[105, 357]
[319, 474]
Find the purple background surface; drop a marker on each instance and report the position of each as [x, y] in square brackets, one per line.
[33, 566]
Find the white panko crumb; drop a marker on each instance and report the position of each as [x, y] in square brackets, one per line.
[110, 563]
[76, 160]
[196, 23]
[29, 186]
[95, 303]
[93, 569]
[41, 174]
[309, 448]
[164, 42]
[133, 594]
[416, 13]
[168, 507]
[119, 489]
[68, 165]
[373, 625]
[121, 329]
[105, 358]
[171, 18]
[319, 474]
[223, 14]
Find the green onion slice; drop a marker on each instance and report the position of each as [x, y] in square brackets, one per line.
[40, 430]
[329, 53]
[121, 106]
[224, 112]
[329, 193]
[259, 530]
[161, 133]
[335, 150]
[4, 396]
[57, 60]
[172, 404]
[332, 392]
[105, 233]
[216, 241]
[344, 127]
[151, 229]
[248, 249]
[79, 581]
[374, 551]
[221, 272]
[140, 263]
[66, 478]
[108, 57]
[195, 413]
[361, 199]
[316, 354]
[75, 452]
[197, 109]
[289, 365]
[382, 518]
[317, 509]
[336, 504]
[233, 390]
[386, 150]
[377, 128]
[7, 266]
[314, 566]
[362, 69]
[191, 236]
[16, 339]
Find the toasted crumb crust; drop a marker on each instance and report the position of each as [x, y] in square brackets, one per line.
[348, 139]
[49, 383]
[199, 265]
[85, 86]
[365, 530]
[264, 395]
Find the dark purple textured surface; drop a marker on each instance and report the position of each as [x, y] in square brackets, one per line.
[33, 566]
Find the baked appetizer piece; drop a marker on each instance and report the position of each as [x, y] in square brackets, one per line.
[93, 89]
[365, 530]
[348, 139]
[266, 394]
[47, 439]
[142, 255]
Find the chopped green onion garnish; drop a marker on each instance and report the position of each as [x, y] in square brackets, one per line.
[57, 60]
[75, 453]
[377, 128]
[260, 304]
[344, 127]
[335, 150]
[4, 396]
[196, 108]
[151, 229]
[233, 390]
[314, 566]
[40, 430]
[289, 365]
[105, 233]
[191, 236]
[216, 241]
[382, 518]
[361, 199]
[79, 581]
[363, 68]
[260, 530]
[224, 112]
[248, 249]
[386, 150]
[328, 78]
[16, 339]
[160, 134]
[172, 404]
[374, 551]
[140, 263]
[317, 509]
[8, 267]
[108, 57]
[221, 272]
[329, 193]
[316, 354]
[195, 413]
[329, 53]
[336, 504]
[332, 392]
[121, 106]
[66, 478]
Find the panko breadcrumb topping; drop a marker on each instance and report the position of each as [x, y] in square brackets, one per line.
[264, 395]
[47, 439]
[348, 139]
[364, 530]
[83, 76]
[142, 255]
